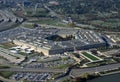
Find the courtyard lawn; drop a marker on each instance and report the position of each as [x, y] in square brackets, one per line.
[91, 57]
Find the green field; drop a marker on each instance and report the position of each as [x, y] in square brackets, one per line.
[6, 74]
[90, 56]
[49, 21]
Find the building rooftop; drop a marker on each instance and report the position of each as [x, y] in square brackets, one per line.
[81, 38]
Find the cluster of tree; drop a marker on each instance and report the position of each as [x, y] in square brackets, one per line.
[86, 77]
[84, 11]
[86, 6]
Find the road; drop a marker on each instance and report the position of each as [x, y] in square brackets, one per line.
[70, 72]
[47, 70]
[6, 80]
[13, 58]
[52, 12]
[9, 20]
[78, 72]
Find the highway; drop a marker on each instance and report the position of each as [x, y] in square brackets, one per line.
[13, 58]
[6, 80]
[9, 19]
[53, 13]
[78, 72]
[73, 72]
[40, 70]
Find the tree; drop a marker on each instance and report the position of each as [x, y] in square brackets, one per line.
[35, 25]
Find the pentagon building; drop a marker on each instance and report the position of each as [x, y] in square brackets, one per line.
[57, 41]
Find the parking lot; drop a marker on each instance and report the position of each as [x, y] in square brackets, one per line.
[8, 20]
[9, 35]
[51, 64]
[32, 77]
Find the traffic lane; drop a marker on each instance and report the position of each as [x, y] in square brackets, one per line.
[78, 72]
[33, 70]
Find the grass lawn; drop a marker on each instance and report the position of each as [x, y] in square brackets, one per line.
[28, 26]
[40, 12]
[90, 56]
[3, 67]
[45, 21]
[63, 66]
[6, 74]
[7, 45]
[49, 21]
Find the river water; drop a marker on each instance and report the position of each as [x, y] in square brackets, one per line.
[108, 78]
